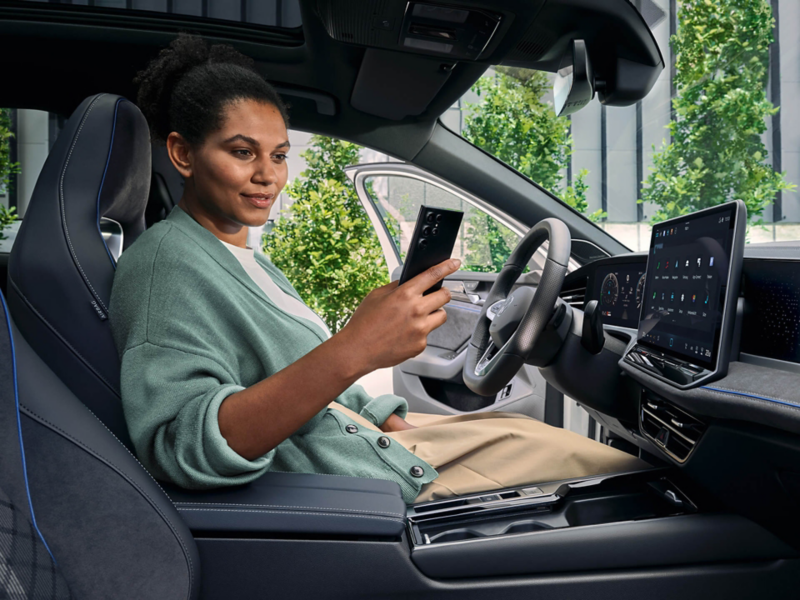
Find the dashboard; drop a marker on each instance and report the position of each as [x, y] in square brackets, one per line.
[737, 435]
[770, 321]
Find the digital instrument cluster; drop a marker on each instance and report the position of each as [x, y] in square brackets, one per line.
[619, 290]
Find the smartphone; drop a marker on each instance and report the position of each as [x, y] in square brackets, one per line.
[432, 242]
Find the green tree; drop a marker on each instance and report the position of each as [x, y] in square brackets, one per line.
[324, 243]
[7, 169]
[716, 153]
[513, 123]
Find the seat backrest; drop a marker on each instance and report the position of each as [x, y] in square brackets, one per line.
[61, 270]
[79, 516]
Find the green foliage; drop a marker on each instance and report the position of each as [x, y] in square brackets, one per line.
[7, 169]
[575, 196]
[7, 217]
[324, 243]
[489, 244]
[716, 153]
[513, 123]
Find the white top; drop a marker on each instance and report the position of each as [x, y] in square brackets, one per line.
[288, 304]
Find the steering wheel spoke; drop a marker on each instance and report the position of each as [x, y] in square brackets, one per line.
[495, 355]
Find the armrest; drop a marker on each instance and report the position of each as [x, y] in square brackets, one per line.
[296, 503]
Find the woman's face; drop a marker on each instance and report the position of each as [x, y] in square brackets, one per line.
[235, 176]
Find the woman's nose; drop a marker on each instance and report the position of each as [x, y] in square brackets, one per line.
[266, 173]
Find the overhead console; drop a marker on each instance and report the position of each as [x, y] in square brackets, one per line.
[443, 36]
[689, 296]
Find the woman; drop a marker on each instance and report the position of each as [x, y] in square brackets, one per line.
[226, 374]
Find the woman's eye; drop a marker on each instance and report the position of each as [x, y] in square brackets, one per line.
[280, 157]
[242, 152]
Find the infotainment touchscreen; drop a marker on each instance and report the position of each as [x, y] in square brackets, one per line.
[686, 284]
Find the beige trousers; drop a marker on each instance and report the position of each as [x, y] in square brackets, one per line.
[493, 450]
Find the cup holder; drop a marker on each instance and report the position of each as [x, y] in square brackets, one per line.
[524, 527]
[455, 535]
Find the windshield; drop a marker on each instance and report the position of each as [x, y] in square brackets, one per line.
[710, 130]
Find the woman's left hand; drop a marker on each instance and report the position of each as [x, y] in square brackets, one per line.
[396, 423]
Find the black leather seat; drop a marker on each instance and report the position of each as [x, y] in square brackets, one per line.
[79, 517]
[61, 269]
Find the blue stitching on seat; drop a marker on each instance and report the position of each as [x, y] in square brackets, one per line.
[99, 193]
[705, 387]
[19, 428]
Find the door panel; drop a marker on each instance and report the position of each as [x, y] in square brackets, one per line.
[391, 194]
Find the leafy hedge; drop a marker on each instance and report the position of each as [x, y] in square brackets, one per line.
[324, 243]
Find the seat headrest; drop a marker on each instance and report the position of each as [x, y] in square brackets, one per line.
[61, 270]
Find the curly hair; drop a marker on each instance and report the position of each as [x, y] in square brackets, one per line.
[187, 87]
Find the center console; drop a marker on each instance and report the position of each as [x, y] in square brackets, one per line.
[605, 522]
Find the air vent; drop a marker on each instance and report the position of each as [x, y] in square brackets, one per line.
[575, 296]
[671, 429]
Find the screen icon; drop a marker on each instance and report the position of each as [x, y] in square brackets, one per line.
[667, 267]
[694, 298]
[682, 297]
[699, 262]
[687, 263]
[658, 265]
[672, 297]
[711, 262]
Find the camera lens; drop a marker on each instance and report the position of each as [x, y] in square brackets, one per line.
[423, 244]
[426, 230]
[430, 217]
[435, 231]
[439, 218]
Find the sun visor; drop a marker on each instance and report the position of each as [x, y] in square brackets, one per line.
[394, 85]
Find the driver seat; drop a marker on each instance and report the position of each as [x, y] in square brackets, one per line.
[61, 267]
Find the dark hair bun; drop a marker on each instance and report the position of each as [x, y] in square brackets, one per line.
[187, 87]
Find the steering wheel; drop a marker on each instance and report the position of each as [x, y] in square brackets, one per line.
[510, 325]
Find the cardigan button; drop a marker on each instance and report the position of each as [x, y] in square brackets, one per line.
[384, 441]
[417, 471]
[351, 428]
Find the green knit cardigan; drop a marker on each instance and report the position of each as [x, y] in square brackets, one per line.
[192, 328]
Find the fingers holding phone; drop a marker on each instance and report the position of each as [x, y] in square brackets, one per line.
[393, 322]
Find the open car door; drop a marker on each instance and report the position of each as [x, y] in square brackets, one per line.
[391, 194]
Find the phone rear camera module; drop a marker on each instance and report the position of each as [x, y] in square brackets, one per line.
[423, 243]
[430, 217]
[426, 230]
[435, 231]
[439, 218]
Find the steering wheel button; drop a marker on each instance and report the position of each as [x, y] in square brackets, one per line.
[351, 428]
[384, 441]
[417, 471]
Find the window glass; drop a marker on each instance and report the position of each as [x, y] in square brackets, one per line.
[272, 13]
[719, 124]
[483, 243]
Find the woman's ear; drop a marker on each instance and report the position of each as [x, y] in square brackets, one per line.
[179, 153]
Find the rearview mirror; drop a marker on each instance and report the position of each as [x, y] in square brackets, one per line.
[573, 87]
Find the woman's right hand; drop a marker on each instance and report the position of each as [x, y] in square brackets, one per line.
[393, 322]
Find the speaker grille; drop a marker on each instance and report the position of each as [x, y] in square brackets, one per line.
[360, 22]
[533, 46]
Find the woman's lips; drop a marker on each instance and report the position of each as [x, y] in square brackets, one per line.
[259, 200]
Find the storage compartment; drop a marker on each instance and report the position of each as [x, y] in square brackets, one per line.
[604, 523]
[597, 501]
